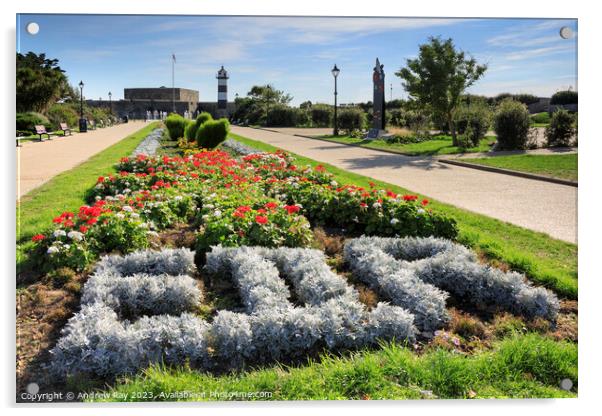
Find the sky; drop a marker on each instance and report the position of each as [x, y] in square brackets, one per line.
[294, 54]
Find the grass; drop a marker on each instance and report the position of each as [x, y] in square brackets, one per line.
[521, 366]
[557, 166]
[66, 191]
[547, 261]
[440, 145]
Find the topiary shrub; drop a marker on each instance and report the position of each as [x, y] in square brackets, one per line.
[561, 130]
[62, 113]
[212, 133]
[350, 119]
[473, 122]
[193, 127]
[175, 124]
[28, 121]
[511, 124]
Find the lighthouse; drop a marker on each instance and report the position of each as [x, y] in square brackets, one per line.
[222, 92]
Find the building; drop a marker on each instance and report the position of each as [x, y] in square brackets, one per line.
[137, 102]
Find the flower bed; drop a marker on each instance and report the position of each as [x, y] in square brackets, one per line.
[389, 263]
[97, 341]
[261, 199]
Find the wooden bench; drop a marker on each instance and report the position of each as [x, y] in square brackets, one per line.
[41, 130]
[65, 128]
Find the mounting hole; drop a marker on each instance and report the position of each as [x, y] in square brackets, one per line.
[32, 28]
[566, 32]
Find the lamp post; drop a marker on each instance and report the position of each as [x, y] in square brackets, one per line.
[335, 73]
[83, 123]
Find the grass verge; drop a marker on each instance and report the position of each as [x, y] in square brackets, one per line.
[66, 191]
[442, 145]
[521, 366]
[547, 261]
[557, 166]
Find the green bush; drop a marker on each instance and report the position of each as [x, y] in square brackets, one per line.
[193, 126]
[473, 122]
[175, 124]
[190, 130]
[282, 116]
[62, 113]
[350, 119]
[561, 129]
[212, 133]
[321, 115]
[511, 124]
[28, 121]
[541, 118]
[564, 97]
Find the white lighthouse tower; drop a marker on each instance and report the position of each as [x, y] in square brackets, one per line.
[222, 92]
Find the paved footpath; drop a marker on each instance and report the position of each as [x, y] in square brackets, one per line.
[38, 162]
[532, 204]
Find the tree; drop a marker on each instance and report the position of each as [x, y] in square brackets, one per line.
[40, 82]
[438, 77]
[267, 96]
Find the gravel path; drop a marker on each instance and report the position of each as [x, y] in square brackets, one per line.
[532, 204]
[38, 162]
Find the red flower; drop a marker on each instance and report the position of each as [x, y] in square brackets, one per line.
[261, 219]
[38, 237]
[372, 184]
[410, 197]
[271, 205]
[320, 168]
[291, 209]
[391, 194]
[83, 228]
[363, 204]
[261, 211]
[238, 214]
[425, 202]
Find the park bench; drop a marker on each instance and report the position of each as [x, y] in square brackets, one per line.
[65, 128]
[41, 131]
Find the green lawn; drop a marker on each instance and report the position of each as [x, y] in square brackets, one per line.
[524, 366]
[442, 145]
[557, 166]
[66, 191]
[547, 261]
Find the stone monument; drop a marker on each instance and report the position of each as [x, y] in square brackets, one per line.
[378, 121]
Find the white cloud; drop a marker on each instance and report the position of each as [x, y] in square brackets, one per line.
[537, 52]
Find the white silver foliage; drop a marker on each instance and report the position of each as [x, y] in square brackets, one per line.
[306, 269]
[143, 294]
[284, 333]
[239, 148]
[332, 316]
[257, 278]
[402, 287]
[385, 320]
[174, 261]
[454, 268]
[232, 338]
[94, 341]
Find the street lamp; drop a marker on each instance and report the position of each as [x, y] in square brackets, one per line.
[83, 123]
[335, 73]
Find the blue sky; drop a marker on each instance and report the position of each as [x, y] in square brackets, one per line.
[295, 54]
